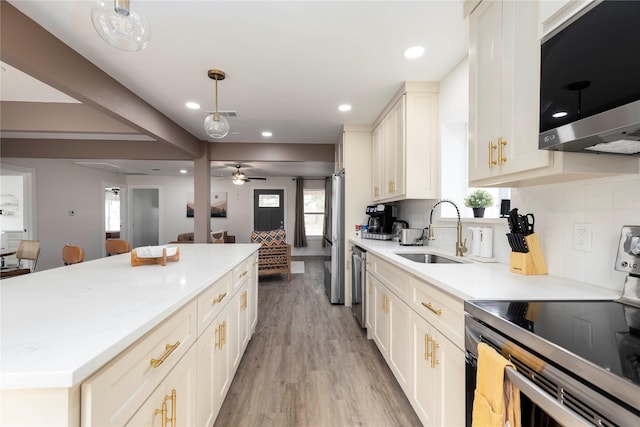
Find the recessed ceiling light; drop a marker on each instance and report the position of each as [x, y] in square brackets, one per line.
[344, 107]
[267, 134]
[183, 171]
[192, 105]
[559, 114]
[414, 52]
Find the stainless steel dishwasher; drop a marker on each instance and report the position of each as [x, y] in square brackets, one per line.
[358, 291]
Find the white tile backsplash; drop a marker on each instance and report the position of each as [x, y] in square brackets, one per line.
[605, 203]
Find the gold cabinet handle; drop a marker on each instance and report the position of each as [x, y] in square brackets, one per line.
[219, 298]
[224, 332]
[168, 350]
[501, 158]
[218, 337]
[243, 306]
[434, 346]
[428, 305]
[244, 273]
[427, 340]
[163, 413]
[492, 147]
[172, 420]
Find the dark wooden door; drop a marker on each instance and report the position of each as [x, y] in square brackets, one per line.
[268, 209]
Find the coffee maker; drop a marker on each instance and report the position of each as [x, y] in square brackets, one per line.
[380, 219]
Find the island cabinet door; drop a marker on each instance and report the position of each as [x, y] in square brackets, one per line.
[253, 294]
[214, 367]
[174, 401]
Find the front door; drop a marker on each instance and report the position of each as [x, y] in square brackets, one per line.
[268, 209]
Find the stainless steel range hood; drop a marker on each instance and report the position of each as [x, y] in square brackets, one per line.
[616, 131]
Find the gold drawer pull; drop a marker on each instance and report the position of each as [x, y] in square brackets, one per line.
[244, 273]
[168, 350]
[433, 310]
[219, 299]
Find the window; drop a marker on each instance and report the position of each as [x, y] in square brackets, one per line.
[268, 201]
[313, 212]
[112, 209]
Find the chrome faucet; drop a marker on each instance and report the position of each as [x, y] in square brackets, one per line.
[461, 247]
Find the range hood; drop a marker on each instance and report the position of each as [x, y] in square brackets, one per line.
[616, 131]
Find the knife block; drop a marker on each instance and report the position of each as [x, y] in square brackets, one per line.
[531, 262]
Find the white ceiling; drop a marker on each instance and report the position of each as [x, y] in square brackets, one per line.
[289, 64]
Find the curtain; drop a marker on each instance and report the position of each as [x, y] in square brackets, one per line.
[299, 235]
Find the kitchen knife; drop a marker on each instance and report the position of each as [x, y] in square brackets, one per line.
[513, 220]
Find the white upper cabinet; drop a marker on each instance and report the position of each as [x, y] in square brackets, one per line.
[503, 91]
[504, 97]
[406, 146]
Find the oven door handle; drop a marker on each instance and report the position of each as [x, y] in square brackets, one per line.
[548, 404]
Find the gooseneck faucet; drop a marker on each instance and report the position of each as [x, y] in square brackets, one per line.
[461, 247]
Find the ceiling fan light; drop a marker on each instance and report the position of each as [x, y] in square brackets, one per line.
[216, 127]
[120, 26]
[237, 180]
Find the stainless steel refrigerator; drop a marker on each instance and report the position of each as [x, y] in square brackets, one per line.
[334, 241]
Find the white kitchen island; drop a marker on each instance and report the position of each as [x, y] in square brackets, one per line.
[62, 327]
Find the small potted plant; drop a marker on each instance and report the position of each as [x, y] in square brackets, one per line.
[478, 200]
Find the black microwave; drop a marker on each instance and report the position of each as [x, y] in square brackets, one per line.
[590, 81]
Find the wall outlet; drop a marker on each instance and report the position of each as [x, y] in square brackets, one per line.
[582, 237]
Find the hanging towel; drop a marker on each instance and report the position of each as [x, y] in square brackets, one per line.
[496, 401]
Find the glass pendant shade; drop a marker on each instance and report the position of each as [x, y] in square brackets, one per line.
[119, 26]
[216, 125]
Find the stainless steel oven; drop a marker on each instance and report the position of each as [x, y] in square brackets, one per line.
[557, 385]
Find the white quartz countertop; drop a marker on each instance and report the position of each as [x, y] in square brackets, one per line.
[59, 326]
[474, 280]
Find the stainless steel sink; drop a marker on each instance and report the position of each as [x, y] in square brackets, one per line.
[427, 258]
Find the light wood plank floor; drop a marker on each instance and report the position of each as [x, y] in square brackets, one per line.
[309, 364]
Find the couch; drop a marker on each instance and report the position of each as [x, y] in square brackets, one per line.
[219, 236]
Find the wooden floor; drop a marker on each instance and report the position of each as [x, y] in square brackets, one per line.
[309, 364]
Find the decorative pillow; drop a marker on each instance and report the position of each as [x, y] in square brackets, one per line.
[218, 236]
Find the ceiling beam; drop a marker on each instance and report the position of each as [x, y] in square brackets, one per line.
[28, 47]
[57, 117]
[89, 149]
[250, 152]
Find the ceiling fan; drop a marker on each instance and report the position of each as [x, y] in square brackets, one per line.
[239, 178]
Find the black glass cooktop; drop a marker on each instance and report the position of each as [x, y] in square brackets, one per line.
[606, 333]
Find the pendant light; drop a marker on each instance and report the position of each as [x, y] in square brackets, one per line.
[216, 125]
[120, 26]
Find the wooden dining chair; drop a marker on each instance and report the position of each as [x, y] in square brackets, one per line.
[72, 254]
[117, 246]
[28, 250]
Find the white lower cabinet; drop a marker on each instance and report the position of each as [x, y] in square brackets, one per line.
[214, 367]
[392, 331]
[410, 322]
[174, 401]
[439, 387]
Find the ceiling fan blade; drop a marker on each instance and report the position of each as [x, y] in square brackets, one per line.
[257, 178]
